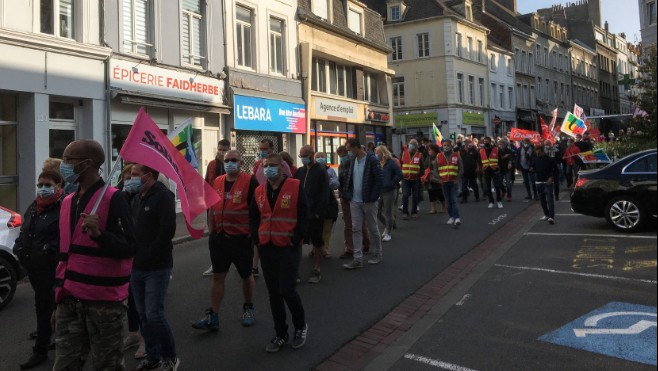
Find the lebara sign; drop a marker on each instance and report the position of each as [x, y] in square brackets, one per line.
[253, 113]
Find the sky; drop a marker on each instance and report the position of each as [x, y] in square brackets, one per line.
[610, 9]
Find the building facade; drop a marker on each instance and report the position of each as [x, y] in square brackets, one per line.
[345, 74]
[265, 87]
[52, 87]
[584, 77]
[648, 29]
[172, 69]
[608, 80]
[502, 89]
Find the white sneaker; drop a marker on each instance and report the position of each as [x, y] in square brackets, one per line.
[500, 205]
[208, 272]
[458, 221]
[386, 238]
[491, 205]
[451, 221]
[543, 218]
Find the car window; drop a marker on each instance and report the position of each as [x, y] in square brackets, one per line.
[646, 164]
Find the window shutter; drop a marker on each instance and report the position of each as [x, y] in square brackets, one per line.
[141, 26]
[196, 30]
[185, 36]
[127, 19]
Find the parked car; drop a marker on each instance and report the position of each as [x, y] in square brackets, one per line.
[623, 192]
[10, 270]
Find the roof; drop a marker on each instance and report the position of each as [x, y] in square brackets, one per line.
[416, 10]
[493, 8]
[583, 45]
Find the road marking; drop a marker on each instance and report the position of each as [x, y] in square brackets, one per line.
[590, 275]
[634, 329]
[569, 215]
[588, 234]
[498, 219]
[436, 363]
[463, 300]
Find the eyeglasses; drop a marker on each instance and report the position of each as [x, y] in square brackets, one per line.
[41, 185]
[69, 159]
[227, 160]
[271, 165]
[302, 156]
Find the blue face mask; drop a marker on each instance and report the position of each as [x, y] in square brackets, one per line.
[231, 167]
[264, 154]
[271, 172]
[379, 157]
[306, 161]
[133, 185]
[45, 192]
[344, 159]
[68, 172]
[412, 147]
[321, 161]
[350, 154]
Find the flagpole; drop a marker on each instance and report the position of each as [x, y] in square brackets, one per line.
[115, 167]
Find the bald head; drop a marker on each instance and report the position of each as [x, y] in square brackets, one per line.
[233, 154]
[85, 149]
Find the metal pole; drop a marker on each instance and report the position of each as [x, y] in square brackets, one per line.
[107, 184]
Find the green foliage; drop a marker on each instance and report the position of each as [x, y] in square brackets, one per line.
[627, 145]
[646, 99]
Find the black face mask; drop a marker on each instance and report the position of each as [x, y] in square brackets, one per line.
[487, 145]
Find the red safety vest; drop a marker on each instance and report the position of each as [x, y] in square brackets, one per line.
[278, 226]
[410, 166]
[83, 272]
[231, 213]
[489, 162]
[448, 170]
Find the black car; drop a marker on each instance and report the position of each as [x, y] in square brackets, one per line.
[623, 192]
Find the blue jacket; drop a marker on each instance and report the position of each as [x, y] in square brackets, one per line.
[372, 180]
[392, 175]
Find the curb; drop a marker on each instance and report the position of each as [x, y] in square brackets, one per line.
[188, 238]
[375, 349]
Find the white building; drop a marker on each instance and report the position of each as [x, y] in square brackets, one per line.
[52, 87]
[502, 94]
[647, 22]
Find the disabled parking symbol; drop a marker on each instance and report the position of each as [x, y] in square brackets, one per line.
[621, 330]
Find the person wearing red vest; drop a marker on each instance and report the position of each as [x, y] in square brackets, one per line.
[412, 169]
[278, 218]
[215, 169]
[450, 166]
[230, 239]
[491, 172]
[92, 276]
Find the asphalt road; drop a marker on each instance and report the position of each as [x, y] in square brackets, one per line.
[343, 305]
[523, 312]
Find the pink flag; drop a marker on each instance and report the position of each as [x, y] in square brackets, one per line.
[554, 132]
[147, 145]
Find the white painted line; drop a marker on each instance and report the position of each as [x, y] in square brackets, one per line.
[590, 275]
[463, 300]
[589, 235]
[571, 214]
[436, 363]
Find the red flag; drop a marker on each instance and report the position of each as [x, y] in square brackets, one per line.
[520, 134]
[546, 132]
[147, 145]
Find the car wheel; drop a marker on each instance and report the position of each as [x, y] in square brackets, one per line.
[625, 214]
[8, 278]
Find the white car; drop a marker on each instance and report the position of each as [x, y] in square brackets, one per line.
[10, 270]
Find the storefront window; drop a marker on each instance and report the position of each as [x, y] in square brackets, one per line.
[8, 151]
[328, 136]
[58, 139]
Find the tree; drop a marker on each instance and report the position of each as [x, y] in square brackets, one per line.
[646, 99]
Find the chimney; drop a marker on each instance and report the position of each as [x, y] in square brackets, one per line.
[605, 26]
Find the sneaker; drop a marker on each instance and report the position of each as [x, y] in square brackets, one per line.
[248, 316]
[209, 322]
[171, 364]
[386, 238]
[132, 340]
[451, 221]
[543, 218]
[255, 272]
[375, 260]
[140, 353]
[148, 365]
[346, 255]
[491, 205]
[551, 220]
[35, 360]
[458, 222]
[208, 272]
[315, 277]
[500, 205]
[277, 343]
[299, 339]
[354, 264]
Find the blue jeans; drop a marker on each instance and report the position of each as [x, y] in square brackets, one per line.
[450, 191]
[546, 199]
[410, 188]
[149, 290]
[529, 181]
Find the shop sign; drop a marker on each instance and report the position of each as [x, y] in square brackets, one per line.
[472, 118]
[416, 120]
[335, 108]
[144, 78]
[260, 114]
[378, 116]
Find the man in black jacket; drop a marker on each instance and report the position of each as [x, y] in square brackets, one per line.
[315, 183]
[544, 168]
[155, 225]
[470, 162]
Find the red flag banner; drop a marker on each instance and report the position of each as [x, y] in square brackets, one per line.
[520, 134]
[546, 132]
[147, 145]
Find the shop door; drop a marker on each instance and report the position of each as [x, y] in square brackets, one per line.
[8, 152]
[247, 144]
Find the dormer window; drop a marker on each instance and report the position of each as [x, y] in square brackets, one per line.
[321, 8]
[354, 21]
[395, 13]
[468, 13]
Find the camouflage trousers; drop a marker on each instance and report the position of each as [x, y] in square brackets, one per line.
[93, 329]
